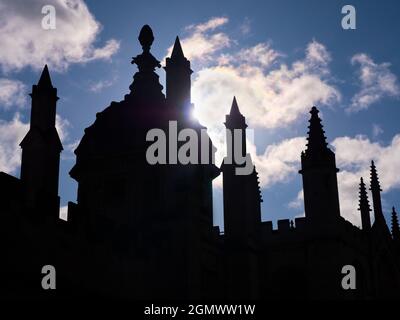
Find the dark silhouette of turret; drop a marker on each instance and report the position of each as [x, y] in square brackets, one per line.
[236, 187]
[395, 226]
[242, 213]
[318, 168]
[375, 188]
[364, 207]
[178, 80]
[41, 146]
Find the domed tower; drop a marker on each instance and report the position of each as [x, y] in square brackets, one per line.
[156, 216]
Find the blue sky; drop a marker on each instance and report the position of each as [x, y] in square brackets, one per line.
[278, 58]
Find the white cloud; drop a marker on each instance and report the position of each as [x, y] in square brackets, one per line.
[245, 27]
[261, 55]
[12, 93]
[69, 148]
[11, 134]
[353, 157]
[279, 162]
[376, 82]
[100, 85]
[209, 25]
[376, 130]
[202, 42]
[298, 202]
[270, 98]
[25, 43]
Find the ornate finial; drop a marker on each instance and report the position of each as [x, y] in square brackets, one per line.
[145, 85]
[146, 37]
[145, 61]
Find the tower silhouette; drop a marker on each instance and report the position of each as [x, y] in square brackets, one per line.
[318, 168]
[178, 80]
[242, 212]
[41, 148]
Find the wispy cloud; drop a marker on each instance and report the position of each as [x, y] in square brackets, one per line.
[25, 43]
[12, 93]
[11, 134]
[245, 27]
[203, 41]
[101, 85]
[376, 82]
[298, 202]
[353, 157]
[376, 130]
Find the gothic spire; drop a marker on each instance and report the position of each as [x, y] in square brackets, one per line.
[178, 81]
[375, 185]
[376, 194]
[316, 134]
[45, 80]
[234, 108]
[395, 226]
[318, 168]
[364, 206]
[177, 52]
[235, 120]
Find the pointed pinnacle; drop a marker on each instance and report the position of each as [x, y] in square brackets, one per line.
[374, 178]
[234, 107]
[177, 51]
[316, 134]
[45, 80]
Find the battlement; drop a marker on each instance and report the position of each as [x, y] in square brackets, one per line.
[284, 225]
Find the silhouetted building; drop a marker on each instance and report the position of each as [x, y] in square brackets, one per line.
[141, 230]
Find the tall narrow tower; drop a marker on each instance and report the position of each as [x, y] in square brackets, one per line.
[364, 207]
[242, 211]
[318, 168]
[241, 192]
[178, 80]
[41, 147]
